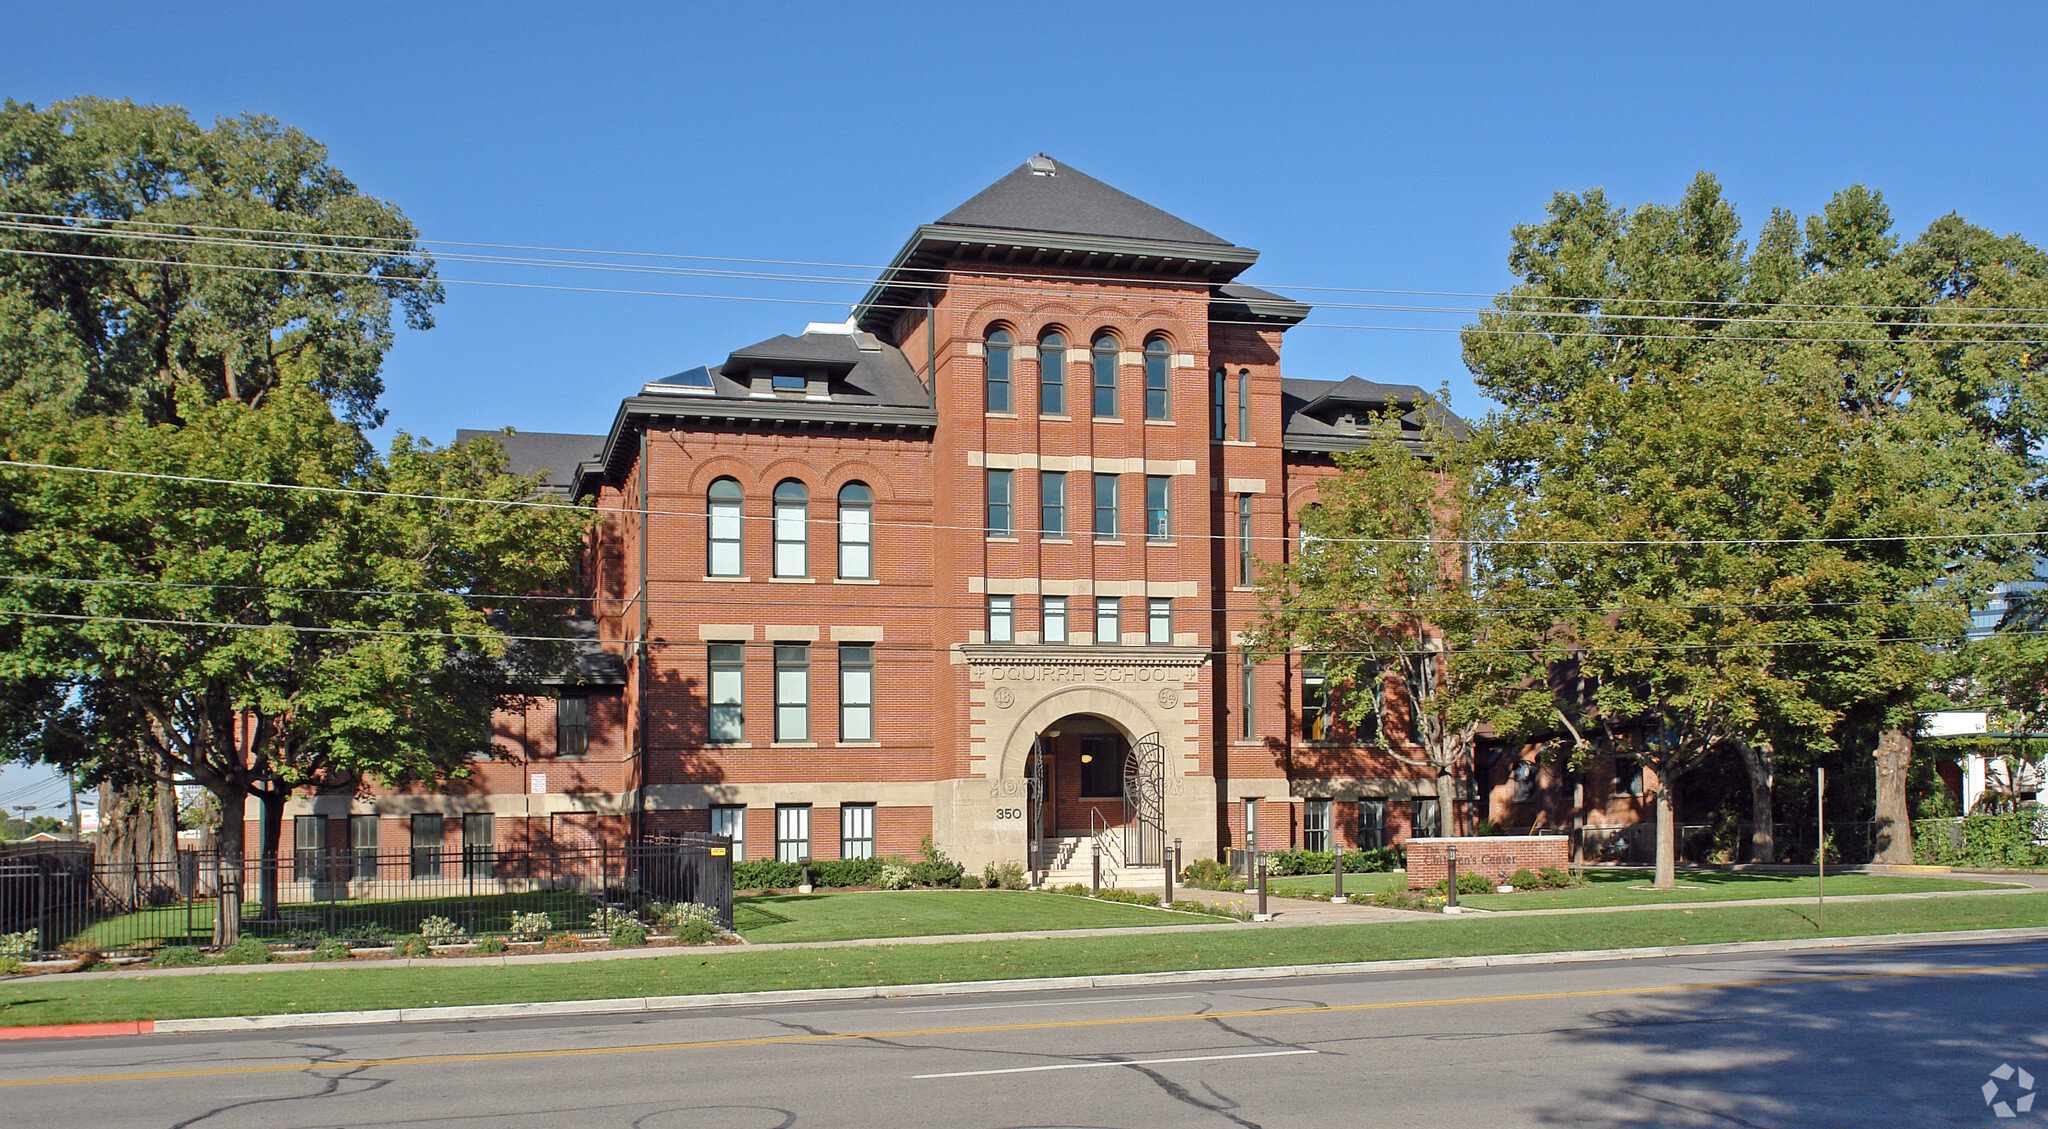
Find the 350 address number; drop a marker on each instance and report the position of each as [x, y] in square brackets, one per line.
[1009, 813]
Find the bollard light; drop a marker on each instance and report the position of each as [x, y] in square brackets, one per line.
[1451, 877]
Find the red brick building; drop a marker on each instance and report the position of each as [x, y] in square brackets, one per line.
[973, 564]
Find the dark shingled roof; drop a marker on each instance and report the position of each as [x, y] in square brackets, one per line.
[554, 454]
[1311, 409]
[592, 664]
[859, 369]
[1069, 200]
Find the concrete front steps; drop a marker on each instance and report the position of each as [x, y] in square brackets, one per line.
[1139, 878]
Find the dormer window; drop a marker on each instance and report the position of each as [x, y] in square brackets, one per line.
[789, 382]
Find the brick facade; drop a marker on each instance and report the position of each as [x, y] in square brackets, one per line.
[1494, 856]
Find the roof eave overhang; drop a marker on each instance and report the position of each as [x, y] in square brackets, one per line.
[1258, 311]
[636, 412]
[906, 282]
[1333, 444]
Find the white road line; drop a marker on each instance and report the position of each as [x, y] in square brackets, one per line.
[1091, 1065]
[1048, 1003]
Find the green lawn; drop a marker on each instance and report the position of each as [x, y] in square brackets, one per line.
[1370, 882]
[929, 913]
[1616, 887]
[490, 913]
[52, 999]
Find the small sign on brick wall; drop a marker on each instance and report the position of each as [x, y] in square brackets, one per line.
[1495, 856]
[540, 784]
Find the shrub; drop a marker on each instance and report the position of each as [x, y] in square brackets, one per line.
[1129, 897]
[766, 874]
[370, 933]
[629, 934]
[562, 943]
[1524, 879]
[607, 919]
[18, 944]
[846, 872]
[12, 966]
[681, 914]
[936, 869]
[531, 926]
[695, 933]
[332, 949]
[1203, 870]
[489, 946]
[1009, 876]
[248, 950]
[1468, 883]
[411, 946]
[970, 882]
[439, 930]
[178, 956]
[1558, 878]
[894, 876]
[2011, 839]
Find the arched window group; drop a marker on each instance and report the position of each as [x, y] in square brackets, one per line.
[1100, 395]
[789, 527]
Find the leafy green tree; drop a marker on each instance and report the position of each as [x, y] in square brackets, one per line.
[142, 253]
[1818, 406]
[1379, 593]
[259, 640]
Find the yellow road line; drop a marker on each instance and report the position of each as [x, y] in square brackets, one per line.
[981, 1029]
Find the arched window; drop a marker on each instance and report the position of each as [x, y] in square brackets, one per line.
[1244, 405]
[1310, 544]
[1104, 356]
[1052, 374]
[1218, 382]
[792, 541]
[856, 532]
[723, 506]
[1156, 367]
[998, 363]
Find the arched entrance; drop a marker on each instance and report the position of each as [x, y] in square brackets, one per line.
[1090, 781]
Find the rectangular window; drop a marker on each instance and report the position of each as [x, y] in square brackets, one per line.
[788, 382]
[792, 832]
[1251, 824]
[730, 820]
[728, 720]
[725, 536]
[1108, 621]
[1217, 408]
[1247, 697]
[792, 691]
[1628, 778]
[362, 841]
[1315, 703]
[1372, 823]
[572, 725]
[1055, 619]
[309, 842]
[999, 375]
[1159, 622]
[1156, 363]
[1428, 818]
[1105, 358]
[1105, 507]
[426, 846]
[479, 844]
[1102, 767]
[1245, 566]
[1002, 619]
[1052, 503]
[1000, 523]
[792, 537]
[856, 831]
[856, 540]
[1315, 825]
[856, 691]
[1158, 507]
[1244, 406]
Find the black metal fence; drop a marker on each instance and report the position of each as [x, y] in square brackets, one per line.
[72, 904]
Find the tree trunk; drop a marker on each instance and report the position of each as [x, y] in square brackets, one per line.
[166, 812]
[1446, 801]
[1892, 836]
[227, 917]
[134, 865]
[1667, 836]
[1761, 760]
[272, 815]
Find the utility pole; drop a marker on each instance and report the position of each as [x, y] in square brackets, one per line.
[71, 780]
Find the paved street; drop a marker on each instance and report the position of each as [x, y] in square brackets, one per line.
[1890, 1037]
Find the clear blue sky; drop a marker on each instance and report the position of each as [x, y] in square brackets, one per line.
[1355, 145]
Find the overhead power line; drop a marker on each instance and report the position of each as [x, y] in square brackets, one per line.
[410, 243]
[1682, 542]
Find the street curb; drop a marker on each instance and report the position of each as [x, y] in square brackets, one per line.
[1128, 980]
[79, 1030]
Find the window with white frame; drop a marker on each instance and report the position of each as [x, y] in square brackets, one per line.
[1159, 621]
[856, 831]
[1109, 620]
[363, 832]
[730, 820]
[1002, 619]
[856, 532]
[723, 557]
[1054, 619]
[1315, 825]
[792, 691]
[728, 693]
[1372, 823]
[792, 832]
[792, 536]
[856, 691]
[1316, 713]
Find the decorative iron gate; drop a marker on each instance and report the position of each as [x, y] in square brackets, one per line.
[1035, 799]
[1145, 803]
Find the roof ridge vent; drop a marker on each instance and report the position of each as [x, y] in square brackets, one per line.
[1042, 165]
